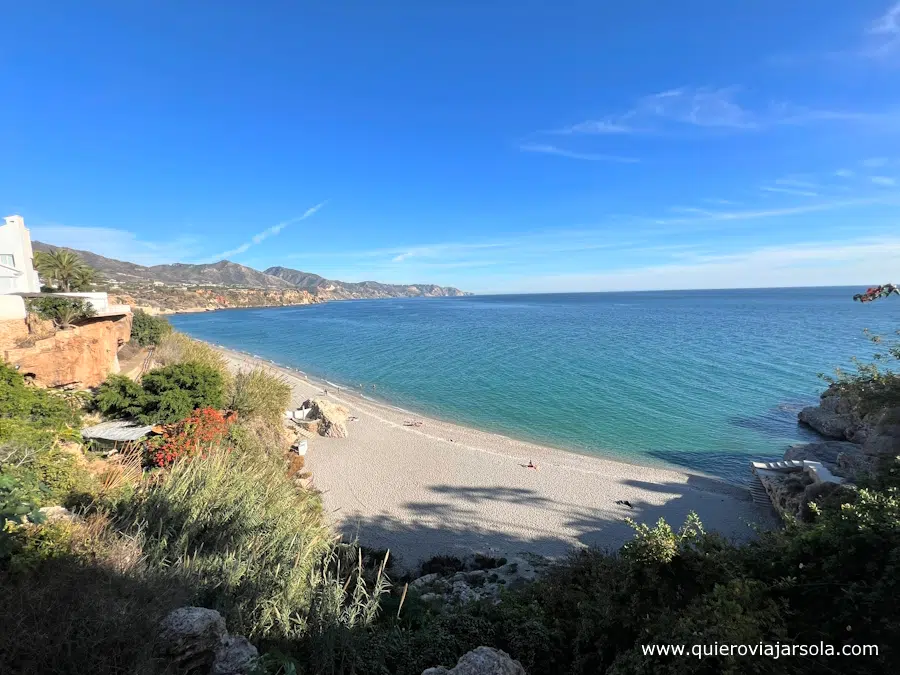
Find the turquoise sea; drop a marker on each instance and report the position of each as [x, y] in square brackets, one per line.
[698, 379]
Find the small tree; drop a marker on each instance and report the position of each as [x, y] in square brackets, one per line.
[148, 330]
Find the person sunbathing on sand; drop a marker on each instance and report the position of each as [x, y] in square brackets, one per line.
[531, 465]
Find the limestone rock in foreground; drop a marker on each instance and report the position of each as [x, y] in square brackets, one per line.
[195, 640]
[474, 582]
[481, 661]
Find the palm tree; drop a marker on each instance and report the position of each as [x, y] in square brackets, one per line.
[84, 279]
[62, 268]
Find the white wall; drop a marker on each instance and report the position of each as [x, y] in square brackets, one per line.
[15, 240]
[11, 307]
[99, 300]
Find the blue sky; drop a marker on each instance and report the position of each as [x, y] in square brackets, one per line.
[495, 146]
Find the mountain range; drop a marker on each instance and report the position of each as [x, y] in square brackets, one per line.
[230, 274]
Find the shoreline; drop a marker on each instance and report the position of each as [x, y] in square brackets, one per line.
[446, 488]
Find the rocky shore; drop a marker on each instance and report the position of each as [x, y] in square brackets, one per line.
[861, 438]
[855, 441]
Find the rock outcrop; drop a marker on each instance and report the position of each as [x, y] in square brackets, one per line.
[884, 439]
[331, 418]
[829, 453]
[837, 416]
[80, 357]
[865, 437]
[195, 640]
[481, 661]
[477, 581]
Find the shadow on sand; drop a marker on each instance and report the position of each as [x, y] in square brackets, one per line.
[473, 524]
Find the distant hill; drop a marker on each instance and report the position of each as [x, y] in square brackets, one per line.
[229, 274]
[330, 288]
[222, 273]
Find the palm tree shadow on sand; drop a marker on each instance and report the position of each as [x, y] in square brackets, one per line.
[469, 524]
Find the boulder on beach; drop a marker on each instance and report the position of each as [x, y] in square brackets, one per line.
[331, 417]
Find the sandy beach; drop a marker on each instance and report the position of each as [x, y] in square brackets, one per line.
[445, 488]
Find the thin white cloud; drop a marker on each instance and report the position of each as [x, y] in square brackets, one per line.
[884, 34]
[851, 262]
[693, 106]
[797, 183]
[586, 156]
[718, 110]
[114, 243]
[598, 127]
[691, 209]
[883, 180]
[758, 214]
[721, 202]
[874, 162]
[265, 234]
[789, 191]
[844, 173]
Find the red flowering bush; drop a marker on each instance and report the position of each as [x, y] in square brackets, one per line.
[206, 427]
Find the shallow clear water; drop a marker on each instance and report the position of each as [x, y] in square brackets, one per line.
[699, 379]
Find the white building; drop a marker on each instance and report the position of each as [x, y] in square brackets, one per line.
[17, 273]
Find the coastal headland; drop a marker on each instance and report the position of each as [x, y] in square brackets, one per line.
[423, 487]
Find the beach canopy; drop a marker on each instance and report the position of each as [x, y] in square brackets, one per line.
[119, 430]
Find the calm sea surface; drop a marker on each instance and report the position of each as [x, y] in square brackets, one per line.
[698, 379]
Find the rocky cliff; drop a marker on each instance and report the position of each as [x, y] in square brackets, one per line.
[862, 437]
[79, 357]
[163, 300]
[330, 289]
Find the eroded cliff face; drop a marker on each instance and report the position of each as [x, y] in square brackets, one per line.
[163, 300]
[80, 357]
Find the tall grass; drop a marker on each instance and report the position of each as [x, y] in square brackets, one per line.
[235, 528]
[179, 348]
[260, 394]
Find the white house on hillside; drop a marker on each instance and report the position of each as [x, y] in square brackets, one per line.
[17, 273]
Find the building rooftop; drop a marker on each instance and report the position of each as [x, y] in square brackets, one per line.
[119, 430]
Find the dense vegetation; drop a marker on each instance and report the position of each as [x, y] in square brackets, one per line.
[148, 330]
[227, 527]
[165, 395]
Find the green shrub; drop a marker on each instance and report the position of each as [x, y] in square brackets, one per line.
[174, 392]
[148, 330]
[64, 312]
[31, 404]
[165, 395]
[259, 394]
[119, 396]
[872, 385]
